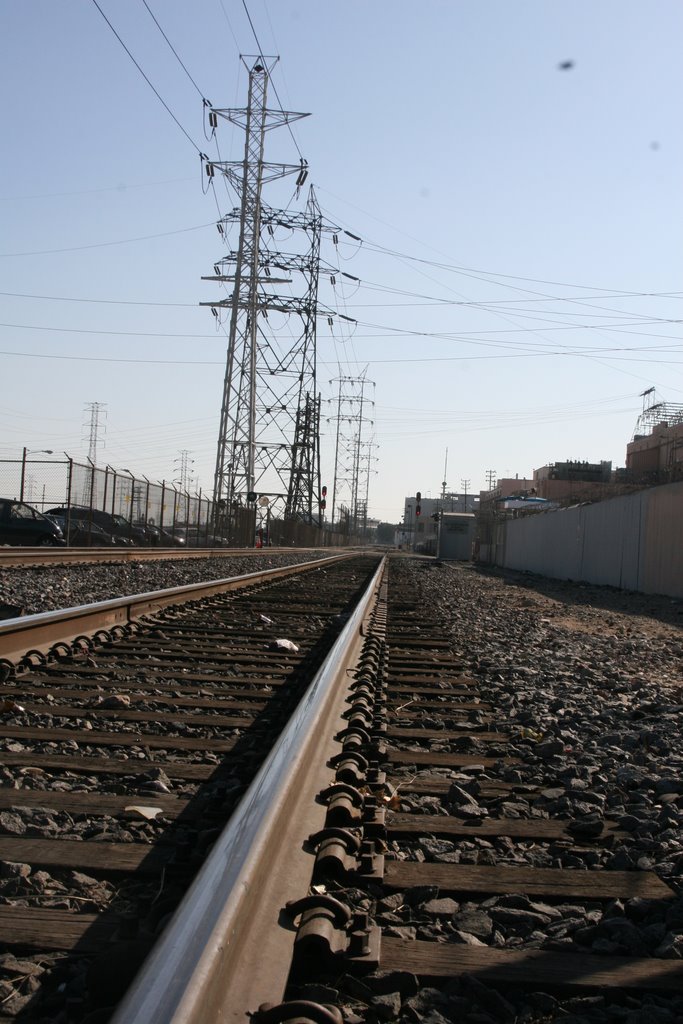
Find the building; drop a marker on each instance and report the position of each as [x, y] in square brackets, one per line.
[420, 532]
[571, 482]
[656, 457]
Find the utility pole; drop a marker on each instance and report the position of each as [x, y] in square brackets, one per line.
[490, 479]
[444, 484]
[268, 440]
[465, 484]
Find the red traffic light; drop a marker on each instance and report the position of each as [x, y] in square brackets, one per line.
[418, 510]
[323, 503]
[324, 492]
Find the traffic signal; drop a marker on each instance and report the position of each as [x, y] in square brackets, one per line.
[252, 495]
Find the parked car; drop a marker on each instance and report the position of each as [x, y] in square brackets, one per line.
[22, 524]
[81, 533]
[160, 538]
[198, 538]
[117, 526]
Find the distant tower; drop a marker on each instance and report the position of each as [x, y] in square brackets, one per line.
[184, 464]
[95, 412]
[268, 440]
[351, 423]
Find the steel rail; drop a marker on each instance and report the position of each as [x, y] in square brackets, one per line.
[11, 556]
[40, 632]
[226, 951]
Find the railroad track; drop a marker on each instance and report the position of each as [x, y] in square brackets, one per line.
[10, 556]
[427, 898]
[129, 732]
[391, 858]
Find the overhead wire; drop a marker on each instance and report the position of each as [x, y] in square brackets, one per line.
[147, 79]
[94, 191]
[174, 51]
[104, 245]
[417, 260]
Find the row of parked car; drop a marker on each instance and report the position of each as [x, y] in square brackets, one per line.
[86, 527]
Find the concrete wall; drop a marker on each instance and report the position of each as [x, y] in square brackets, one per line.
[633, 542]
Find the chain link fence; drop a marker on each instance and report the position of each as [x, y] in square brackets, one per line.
[80, 489]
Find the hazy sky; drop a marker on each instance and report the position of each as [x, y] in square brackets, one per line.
[520, 265]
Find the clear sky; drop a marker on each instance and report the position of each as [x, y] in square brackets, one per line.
[520, 266]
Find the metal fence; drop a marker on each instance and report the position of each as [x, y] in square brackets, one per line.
[633, 542]
[47, 483]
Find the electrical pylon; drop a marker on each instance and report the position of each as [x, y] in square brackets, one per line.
[268, 442]
[351, 421]
[96, 409]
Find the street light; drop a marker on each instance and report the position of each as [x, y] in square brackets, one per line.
[25, 452]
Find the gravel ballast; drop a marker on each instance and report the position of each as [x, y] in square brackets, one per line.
[42, 588]
[586, 683]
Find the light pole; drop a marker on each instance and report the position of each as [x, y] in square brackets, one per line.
[29, 451]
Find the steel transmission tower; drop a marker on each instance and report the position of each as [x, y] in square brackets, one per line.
[268, 441]
[96, 410]
[349, 475]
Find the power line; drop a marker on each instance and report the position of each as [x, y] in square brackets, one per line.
[451, 266]
[113, 359]
[108, 302]
[124, 334]
[154, 90]
[94, 191]
[370, 362]
[175, 52]
[102, 245]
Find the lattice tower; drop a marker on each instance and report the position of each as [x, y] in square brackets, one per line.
[350, 463]
[268, 442]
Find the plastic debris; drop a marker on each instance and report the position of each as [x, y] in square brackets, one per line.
[144, 811]
[528, 734]
[284, 645]
[265, 620]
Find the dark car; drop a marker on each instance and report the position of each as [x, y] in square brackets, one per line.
[117, 526]
[83, 534]
[158, 537]
[195, 537]
[21, 524]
